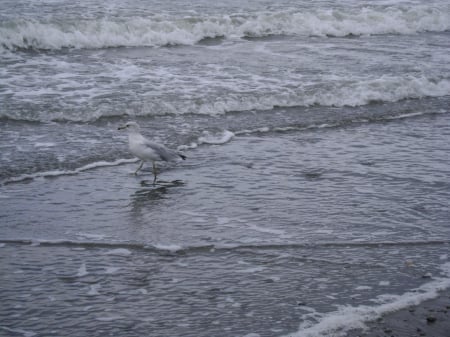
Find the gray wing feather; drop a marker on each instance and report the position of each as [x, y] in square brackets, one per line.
[165, 153]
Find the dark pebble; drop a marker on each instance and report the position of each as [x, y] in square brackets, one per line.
[431, 319]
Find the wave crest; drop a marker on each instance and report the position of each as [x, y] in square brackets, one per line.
[171, 30]
[336, 92]
[339, 92]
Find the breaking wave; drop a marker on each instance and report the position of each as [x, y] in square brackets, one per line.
[341, 93]
[336, 92]
[164, 30]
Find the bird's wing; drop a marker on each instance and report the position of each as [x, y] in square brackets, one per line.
[165, 153]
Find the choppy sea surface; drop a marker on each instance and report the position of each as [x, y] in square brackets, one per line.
[315, 196]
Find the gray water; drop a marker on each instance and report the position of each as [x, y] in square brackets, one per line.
[316, 184]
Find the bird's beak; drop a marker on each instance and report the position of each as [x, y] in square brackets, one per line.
[121, 127]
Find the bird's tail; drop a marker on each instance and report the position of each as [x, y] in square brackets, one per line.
[182, 156]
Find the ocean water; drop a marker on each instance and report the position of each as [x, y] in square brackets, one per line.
[315, 196]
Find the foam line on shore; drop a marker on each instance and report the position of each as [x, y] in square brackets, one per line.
[176, 248]
[346, 122]
[347, 318]
[57, 173]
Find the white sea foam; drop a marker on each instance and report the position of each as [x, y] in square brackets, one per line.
[382, 89]
[161, 30]
[44, 144]
[192, 213]
[251, 270]
[25, 333]
[216, 139]
[91, 236]
[109, 318]
[346, 318]
[112, 270]
[363, 288]
[119, 251]
[324, 231]
[267, 230]
[57, 173]
[93, 289]
[82, 271]
[344, 91]
[168, 247]
[243, 93]
[191, 146]
[223, 221]
[143, 291]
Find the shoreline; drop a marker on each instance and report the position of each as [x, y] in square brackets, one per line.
[429, 318]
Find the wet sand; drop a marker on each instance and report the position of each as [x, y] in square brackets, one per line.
[430, 318]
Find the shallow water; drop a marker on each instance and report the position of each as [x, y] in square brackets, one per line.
[315, 193]
[255, 236]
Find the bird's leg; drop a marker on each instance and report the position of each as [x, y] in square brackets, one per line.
[155, 172]
[140, 166]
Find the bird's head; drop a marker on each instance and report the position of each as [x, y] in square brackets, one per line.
[130, 127]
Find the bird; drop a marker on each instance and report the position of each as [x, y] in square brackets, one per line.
[147, 150]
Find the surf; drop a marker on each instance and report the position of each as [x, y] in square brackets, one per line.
[167, 30]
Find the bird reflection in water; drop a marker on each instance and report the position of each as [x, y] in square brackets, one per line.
[152, 193]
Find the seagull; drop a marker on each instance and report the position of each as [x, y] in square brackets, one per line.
[147, 150]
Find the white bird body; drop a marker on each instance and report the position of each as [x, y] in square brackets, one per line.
[147, 150]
